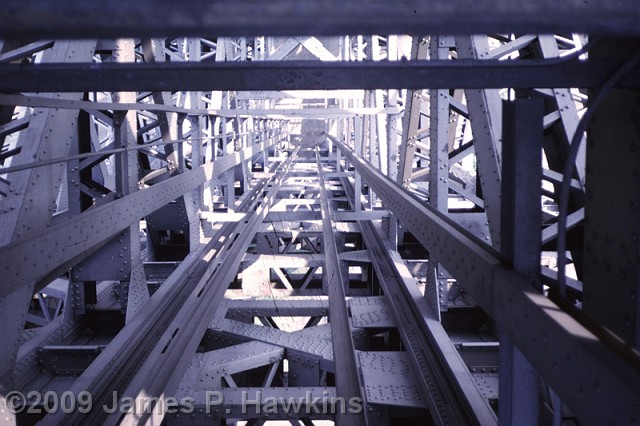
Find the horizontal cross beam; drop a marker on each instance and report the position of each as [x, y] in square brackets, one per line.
[164, 18]
[301, 75]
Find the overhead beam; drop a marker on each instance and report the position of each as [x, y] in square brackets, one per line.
[300, 75]
[152, 18]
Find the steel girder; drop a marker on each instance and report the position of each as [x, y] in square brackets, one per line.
[295, 342]
[452, 395]
[347, 380]
[60, 247]
[195, 316]
[612, 227]
[30, 199]
[482, 110]
[120, 208]
[520, 246]
[411, 119]
[300, 75]
[445, 379]
[515, 44]
[485, 115]
[437, 288]
[264, 113]
[48, 18]
[188, 306]
[32, 196]
[127, 181]
[310, 343]
[65, 226]
[567, 111]
[590, 367]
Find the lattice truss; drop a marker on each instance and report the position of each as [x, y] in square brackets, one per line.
[279, 245]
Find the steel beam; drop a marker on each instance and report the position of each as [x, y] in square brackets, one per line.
[297, 75]
[73, 19]
[166, 364]
[347, 377]
[582, 368]
[151, 342]
[268, 308]
[73, 240]
[301, 113]
[295, 342]
[567, 113]
[30, 199]
[485, 115]
[210, 367]
[127, 178]
[442, 375]
[436, 291]
[411, 119]
[520, 246]
[445, 380]
[612, 222]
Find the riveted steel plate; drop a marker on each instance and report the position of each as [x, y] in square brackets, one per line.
[370, 312]
[389, 379]
[487, 384]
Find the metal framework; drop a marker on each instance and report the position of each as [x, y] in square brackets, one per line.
[233, 212]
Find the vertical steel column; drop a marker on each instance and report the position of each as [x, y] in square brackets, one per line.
[410, 124]
[436, 291]
[438, 131]
[247, 127]
[197, 124]
[392, 135]
[358, 143]
[612, 208]
[133, 293]
[249, 140]
[411, 119]
[521, 236]
[154, 51]
[485, 114]
[372, 139]
[227, 143]
[380, 146]
[391, 223]
[228, 147]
